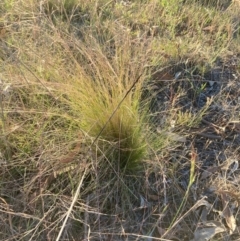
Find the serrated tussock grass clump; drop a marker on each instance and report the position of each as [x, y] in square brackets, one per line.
[106, 112]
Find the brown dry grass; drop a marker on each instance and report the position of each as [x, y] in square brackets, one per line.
[89, 153]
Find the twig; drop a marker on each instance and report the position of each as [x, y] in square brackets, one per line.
[72, 204]
[86, 217]
[210, 136]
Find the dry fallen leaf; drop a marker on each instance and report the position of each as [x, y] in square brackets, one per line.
[234, 167]
[176, 137]
[153, 197]
[3, 32]
[143, 202]
[210, 28]
[227, 165]
[227, 213]
[202, 202]
[209, 230]
[209, 171]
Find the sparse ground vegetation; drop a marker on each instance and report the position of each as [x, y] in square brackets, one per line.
[119, 120]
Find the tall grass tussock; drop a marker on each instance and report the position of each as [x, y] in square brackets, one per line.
[106, 110]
